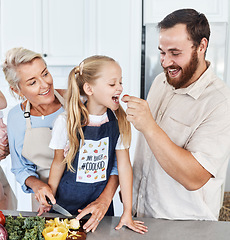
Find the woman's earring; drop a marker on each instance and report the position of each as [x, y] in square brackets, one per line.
[22, 97]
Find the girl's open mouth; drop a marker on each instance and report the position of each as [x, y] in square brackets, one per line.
[115, 99]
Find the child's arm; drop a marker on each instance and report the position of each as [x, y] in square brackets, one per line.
[126, 179]
[56, 170]
[3, 103]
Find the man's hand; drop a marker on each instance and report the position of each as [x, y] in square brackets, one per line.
[138, 112]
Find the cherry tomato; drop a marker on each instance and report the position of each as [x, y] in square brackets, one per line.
[125, 96]
[2, 218]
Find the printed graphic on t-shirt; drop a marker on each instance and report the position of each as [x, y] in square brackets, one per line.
[93, 161]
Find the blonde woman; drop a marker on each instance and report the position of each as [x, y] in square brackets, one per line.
[97, 132]
[29, 123]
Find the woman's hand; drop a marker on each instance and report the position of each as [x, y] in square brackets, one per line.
[137, 226]
[98, 209]
[4, 149]
[43, 209]
[41, 190]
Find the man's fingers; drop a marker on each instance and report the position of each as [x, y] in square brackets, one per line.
[127, 99]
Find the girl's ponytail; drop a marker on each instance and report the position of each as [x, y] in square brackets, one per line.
[77, 116]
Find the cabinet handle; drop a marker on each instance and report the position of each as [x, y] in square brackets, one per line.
[45, 55]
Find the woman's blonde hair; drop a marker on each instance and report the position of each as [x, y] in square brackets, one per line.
[77, 114]
[14, 58]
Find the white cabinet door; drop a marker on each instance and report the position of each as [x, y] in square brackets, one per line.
[214, 10]
[64, 31]
[20, 25]
[55, 28]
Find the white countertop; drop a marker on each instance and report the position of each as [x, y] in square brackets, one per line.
[158, 229]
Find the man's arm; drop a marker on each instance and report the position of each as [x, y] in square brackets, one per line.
[176, 161]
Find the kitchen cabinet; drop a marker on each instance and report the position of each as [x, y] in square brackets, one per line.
[20, 25]
[215, 10]
[58, 29]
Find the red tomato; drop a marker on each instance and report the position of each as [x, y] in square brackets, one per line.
[2, 218]
[126, 95]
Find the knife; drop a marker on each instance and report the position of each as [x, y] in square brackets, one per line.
[59, 208]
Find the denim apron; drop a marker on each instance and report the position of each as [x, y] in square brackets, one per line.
[93, 164]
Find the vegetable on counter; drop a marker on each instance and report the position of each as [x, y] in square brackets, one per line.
[3, 233]
[69, 224]
[25, 228]
[74, 229]
[2, 218]
[55, 233]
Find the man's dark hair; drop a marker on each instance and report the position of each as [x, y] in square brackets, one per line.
[196, 23]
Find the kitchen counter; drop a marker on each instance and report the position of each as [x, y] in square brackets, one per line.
[158, 229]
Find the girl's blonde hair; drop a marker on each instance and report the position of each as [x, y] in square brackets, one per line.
[77, 114]
[14, 58]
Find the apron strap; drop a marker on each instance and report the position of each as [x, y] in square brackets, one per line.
[111, 115]
[27, 115]
[27, 110]
[59, 97]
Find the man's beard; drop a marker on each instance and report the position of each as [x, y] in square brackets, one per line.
[186, 73]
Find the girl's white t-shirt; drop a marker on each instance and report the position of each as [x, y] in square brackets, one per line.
[59, 138]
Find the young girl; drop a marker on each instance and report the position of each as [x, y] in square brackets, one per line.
[97, 131]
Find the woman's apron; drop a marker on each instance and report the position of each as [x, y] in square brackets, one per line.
[36, 147]
[93, 164]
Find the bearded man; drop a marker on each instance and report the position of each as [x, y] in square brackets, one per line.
[183, 147]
